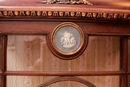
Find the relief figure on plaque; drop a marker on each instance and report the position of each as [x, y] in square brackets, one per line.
[68, 40]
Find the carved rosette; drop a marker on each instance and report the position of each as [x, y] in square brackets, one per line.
[67, 40]
[62, 14]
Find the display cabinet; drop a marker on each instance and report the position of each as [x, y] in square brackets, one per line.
[64, 43]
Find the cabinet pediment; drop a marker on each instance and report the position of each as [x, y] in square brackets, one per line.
[79, 12]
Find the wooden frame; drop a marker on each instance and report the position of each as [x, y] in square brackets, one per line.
[71, 52]
[123, 73]
[15, 20]
[66, 78]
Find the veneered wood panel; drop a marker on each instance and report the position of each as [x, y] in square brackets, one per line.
[39, 2]
[47, 27]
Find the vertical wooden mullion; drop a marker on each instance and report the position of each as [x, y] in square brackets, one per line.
[125, 60]
[4, 48]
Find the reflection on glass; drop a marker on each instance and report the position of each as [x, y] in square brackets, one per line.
[35, 81]
[31, 53]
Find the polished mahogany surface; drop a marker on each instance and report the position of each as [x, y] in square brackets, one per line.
[32, 17]
[123, 3]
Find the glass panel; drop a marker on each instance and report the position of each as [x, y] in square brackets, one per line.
[35, 81]
[31, 53]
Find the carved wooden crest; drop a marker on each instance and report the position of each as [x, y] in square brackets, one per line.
[67, 40]
[67, 2]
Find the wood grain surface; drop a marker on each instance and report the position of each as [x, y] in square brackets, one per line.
[31, 53]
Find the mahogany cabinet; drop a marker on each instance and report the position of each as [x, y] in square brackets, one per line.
[68, 44]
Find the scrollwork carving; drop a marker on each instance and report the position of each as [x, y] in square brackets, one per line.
[22, 13]
[100, 15]
[110, 16]
[55, 13]
[33, 13]
[89, 14]
[44, 13]
[67, 13]
[121, 16]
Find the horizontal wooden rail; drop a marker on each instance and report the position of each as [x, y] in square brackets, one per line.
[68, 73]
[25, 27]
[46, 33]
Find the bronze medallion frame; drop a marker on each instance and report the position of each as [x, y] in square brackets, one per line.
[72, 48]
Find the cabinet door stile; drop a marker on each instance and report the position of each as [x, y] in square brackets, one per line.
[4, 46]
[125, 60]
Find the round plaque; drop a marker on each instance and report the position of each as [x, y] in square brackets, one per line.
[67, 40]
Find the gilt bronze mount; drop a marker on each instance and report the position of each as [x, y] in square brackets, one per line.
[85, 2]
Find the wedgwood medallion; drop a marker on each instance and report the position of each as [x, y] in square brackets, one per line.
[68, 40]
